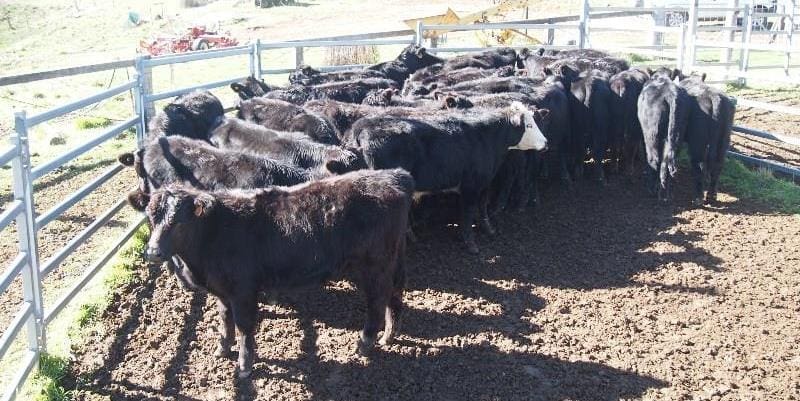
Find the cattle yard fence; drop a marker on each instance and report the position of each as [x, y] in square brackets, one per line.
[34, 315]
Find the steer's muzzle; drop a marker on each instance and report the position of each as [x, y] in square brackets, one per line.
[153, 255]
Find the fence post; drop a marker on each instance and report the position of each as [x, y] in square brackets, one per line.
[681, 50]
[147, 109]
[692, 59]
[744, 56]
[298, 57]
[26, 231]
[551, 33]
[583, 25]
[251, 60]
[257, 58]
[728, 35]
[792, 4]
[418, 40]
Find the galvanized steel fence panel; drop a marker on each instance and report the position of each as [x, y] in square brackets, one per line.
[34, 316]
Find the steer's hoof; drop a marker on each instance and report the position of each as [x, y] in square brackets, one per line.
[244, 374]
[364, 349]
[711, 199]
[385, 341]
[697, 202]
[223, 352]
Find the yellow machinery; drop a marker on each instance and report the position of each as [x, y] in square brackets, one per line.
[486, 38]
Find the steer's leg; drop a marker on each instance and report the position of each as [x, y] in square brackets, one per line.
[469, 208]
[245, 310]
[486, 224]
[696, 161]
[227, 330]
[377, 294]
[395, 307]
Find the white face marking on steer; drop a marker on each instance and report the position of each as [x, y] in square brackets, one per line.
[532, 138]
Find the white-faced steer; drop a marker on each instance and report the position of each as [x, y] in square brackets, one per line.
[448, 150]
[237, 243]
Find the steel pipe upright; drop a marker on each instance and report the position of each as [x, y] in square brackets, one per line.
[257, 59]
[692, 59]
[26, 232]
[418, 39]
[792, 5]
[583, 26]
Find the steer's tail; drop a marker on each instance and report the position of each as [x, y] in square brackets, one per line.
[677, 109]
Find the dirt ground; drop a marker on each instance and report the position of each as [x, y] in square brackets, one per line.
[764, 120]
[599, 294]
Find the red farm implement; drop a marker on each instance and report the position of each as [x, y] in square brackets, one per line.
[195, 38]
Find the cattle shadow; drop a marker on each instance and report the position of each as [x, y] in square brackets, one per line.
[119, 346]
[590, 237]
[103, 382]
[454, 373]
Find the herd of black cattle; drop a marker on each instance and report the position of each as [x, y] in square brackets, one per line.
[320, 176]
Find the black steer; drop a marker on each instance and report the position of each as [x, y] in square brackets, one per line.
[251, 87]
[306, 75]
[664, 109]
[591, 118]
[423, 83]
[708, 135]
[491, 58]
[346, 91]
[411, 59]
[178, 160]
[239, 243]
[291, 147]
[625, 130]
[284, 116]
[451, 150]
[191, 115]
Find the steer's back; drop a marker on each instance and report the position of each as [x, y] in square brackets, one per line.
[309, 231]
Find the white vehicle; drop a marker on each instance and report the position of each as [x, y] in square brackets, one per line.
[677, 18]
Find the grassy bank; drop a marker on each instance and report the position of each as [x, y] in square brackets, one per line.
[52, 382]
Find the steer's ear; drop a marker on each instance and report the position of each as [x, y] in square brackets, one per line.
[547, 71]
[203, 204]
[517, 114]
[649, 71]
[703, 77]
[676, 73]
[543, 115]
[420, 52]
[540, 52]
[126, 159]
[237, 87]
[138, 200]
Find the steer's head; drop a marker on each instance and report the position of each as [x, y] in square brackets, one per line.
[522, 117]
[415, 57]
[250, 88]
[170, 212]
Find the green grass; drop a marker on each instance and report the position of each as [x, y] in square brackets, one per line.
[49, 383]
[52, 371]
[758, 185]
[92, 122]
[761, 186]
[638, 58]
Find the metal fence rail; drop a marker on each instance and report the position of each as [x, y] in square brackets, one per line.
[34, 316]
